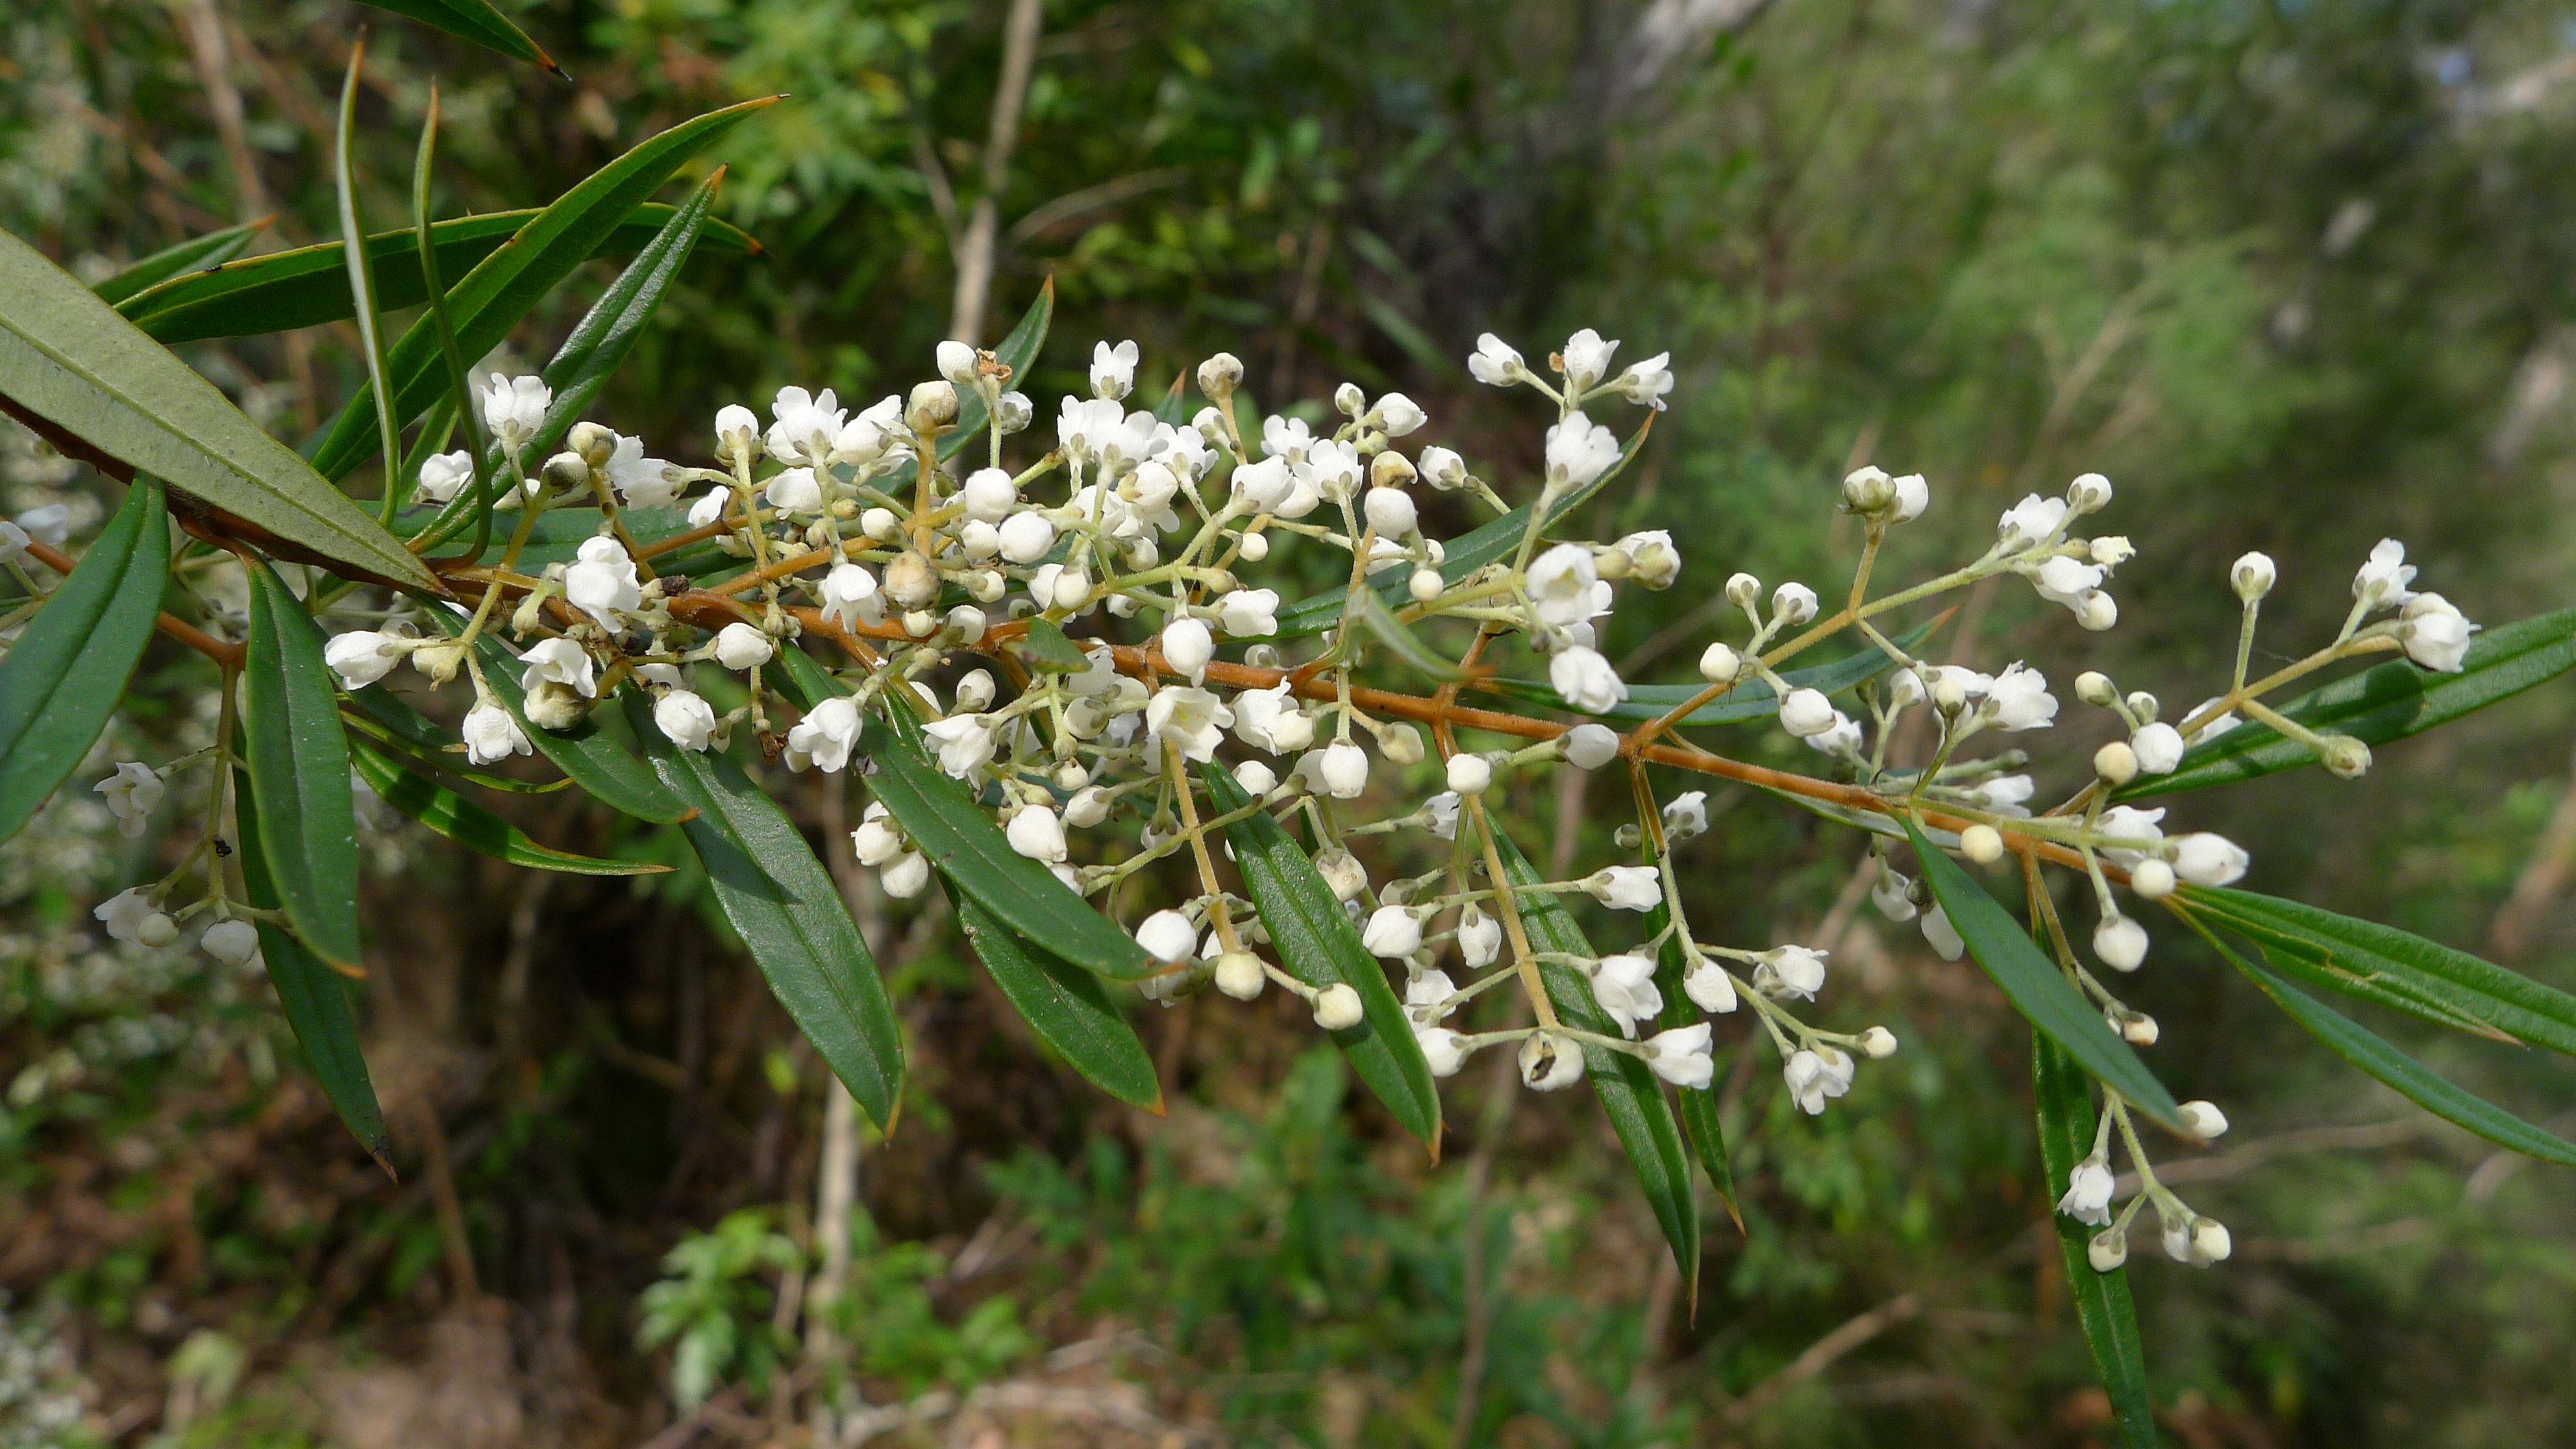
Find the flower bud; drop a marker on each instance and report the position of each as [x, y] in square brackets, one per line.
[1390, 511]
[2204, 1118]
[2139, 1029]
[1742, 590]
[1868, 490]
[1343, 872]
[1167, 936]
[911, 581]
[1349, 401]
[1337, 1007]
[568, 471]
[957, 363]
[2095, 688]
[157, 930]
[880, 524]
[933, 406]
[1425, 585]
[594, 443]
[1719, 664]
[1238, 973]
[2158, 748]
[1470, 774]
[2088, 493]
[1878, 1043]
[555, 705]
[1982, 844]
[1795, 603]
[2152, 879]
[235, 942]
[2344, 757]
[2099, 612]
[1589, 746]
[2209, 1242]
[1949, 696]
[1401, 744]
[2120, 942]
[2108, 1250]
[1219, 376]
[2252, 576]
[975, 694]
[2115, 763]
[1391, 470]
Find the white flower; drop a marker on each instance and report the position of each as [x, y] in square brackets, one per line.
[1187, 647]
[642, 482]
[514, 408]
[133, 792]
[1913, 495]
[2088, 1193]
[2131, 824]
[1337, 1008]
[1550, 1063]
[1818, 1077]
[1426, 997]
[806, 427]
[826, 734]
[2210, 860]
[2030, 522]
[1496, 363]
[1469, 774]
[1262, 486]
[1167, 936]
[125, 912]
[1652, 559]
[1681, 1056]
[1587, 359]
[1268, 720]
[688, 721]
[1443, 1050]
[743, 646]
[1797, 971]
[1189, 720]
[1578, 451]
[1590, 746]
[794, 491]
[361, 657]
[1892, 893]
[1397, 415]
[2019, 700]
[1113, 369]
[1342, 771]
[1249, 613]
[708, 509]
[1390, 512]
[850, 596]
[874, 439]
[441, 474]
[602, 582]
[2158, 747]
[965, 743]
[491, 735]
[1585, 680]
[737, 431]
[1686, 815]
[1625, 887]
[1343, 872]
[1443, 468]
[956, 362]
[907, 877]
[1331, 468]
[1645, 383]
[2383, 579]
[1560, 583]
[1805, 712]
[1036, 833]
[2219, 723]
[50, 524]
[1793, 603]
[1480, 938]
[1088, 806]
[235, 942]
[876, 841]
[1392, 932]
[1015, 413]
[1624, 985]
[1841, 739]
[2435, 633]
[1943, 937]
[1710, 988]
[561, 661]
[988, 495]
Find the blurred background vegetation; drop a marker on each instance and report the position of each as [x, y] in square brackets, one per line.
[2293, 274]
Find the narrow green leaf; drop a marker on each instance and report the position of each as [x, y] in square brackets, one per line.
[2035, 985]
[314, 996]
[474, 827]
[2393, 968]
[789, 913]
[2367, 1050]
[1698, 1111]
[1750, 700]
[491, 299]
[2379, 706]
[299, 760]
[458, 401]
[1632, 1096]
[594, 758]
[1066, 1006]
[211, 250]
[68, 358]
[1402, 642]
[2102, 1302]
[474, 20]
[1495, 539]
[309, 286]
[362, 278]
[431, 749]
[1318, 945]
[947, 824]
[62, 679]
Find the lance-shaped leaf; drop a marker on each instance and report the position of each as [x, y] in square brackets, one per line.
[1632, 1096]
[1318, 945]
[1066, 1006]
[1495, 539]
[1750, 700]
[474, 20]
[198, 252]
[596, 759]
[2391, 967]
[429, 746]
[2380, 705]
[68, 359]
[491, 299]
[2102, 1302]
[1698, 1111]
[308, 286]
[2367, 1050]
[2035, 985]
[472, 826]
[946, 823]
[61, 680]
[299, 761]
[362, 274]
[314, 996]
[788, 912]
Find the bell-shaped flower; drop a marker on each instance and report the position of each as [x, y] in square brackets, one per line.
[1426, 997]
[1496, 363]
[1036, 833]
[1645, 383]
[561, 661]
[1167, 936]
[361, 657]
[132, 794]
[1393, 932]
[2436, 635]
[1943, 937]
[234, 943]
[1796, 972]
[1585, 680]
[1805, 712]
[1443, 1051]
[965, 743]
[1817, 1077]
[2088, 1193]
[1269, 720]
[125, 913]
[442, 474]
[1188, 646]
[805, 426]
[1624, 985]
[602, 582]
[1587, 360]
[491, 736]
[826, 734]
[851, 597]
[1342, 770]
[685, 719]
[2018, 699]
[1681, 1055]
[1625, 887]
[1480, 938]
[2211, 860]
[1188, 719]
[796, 490]
[1560, 582]
[743, 646]
[1440, 813]
[1710, 988]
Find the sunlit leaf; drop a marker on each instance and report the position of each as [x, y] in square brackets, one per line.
[1065, 1005]
[472, 826]
[196, 253]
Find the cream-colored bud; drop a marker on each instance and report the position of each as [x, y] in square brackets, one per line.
[2152, 879]
[911, 581]
[567, 471]
[1425, 585]
[933, 406]
[555, 705]
[1239, 975]
[439, 661]
[2116, 763]
[1982, 844]
[1401, 744]
[1391, 470]
[2344, 757]
[1719, 664]
[594, 443]
[2095, 688]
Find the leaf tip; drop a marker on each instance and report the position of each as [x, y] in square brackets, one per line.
[381, 1149]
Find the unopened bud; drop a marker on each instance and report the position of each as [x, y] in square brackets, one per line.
[156, 929]
[2152, 879]
[553, 705]
[1982, 844]
[594, 443]
[2108, 1250]
[1401, 744]
[2095, 688]
[1629, 836]
[567, 471]
[1337, 1007]
[1349, 401]
[911, 581]
[2203, 1118]
[1239, 973]
[1949, 696]
[1878, 1043]
[1742, 590]
[2139, 1029]
[2143, 705]
[1425, 585]
[2116, 763]
[439, 661]
[2252, 576]
[1220, 375]
[1868, 490]
[2344, 757]
[1391, 470]
[933, 406]
[1719, 664]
